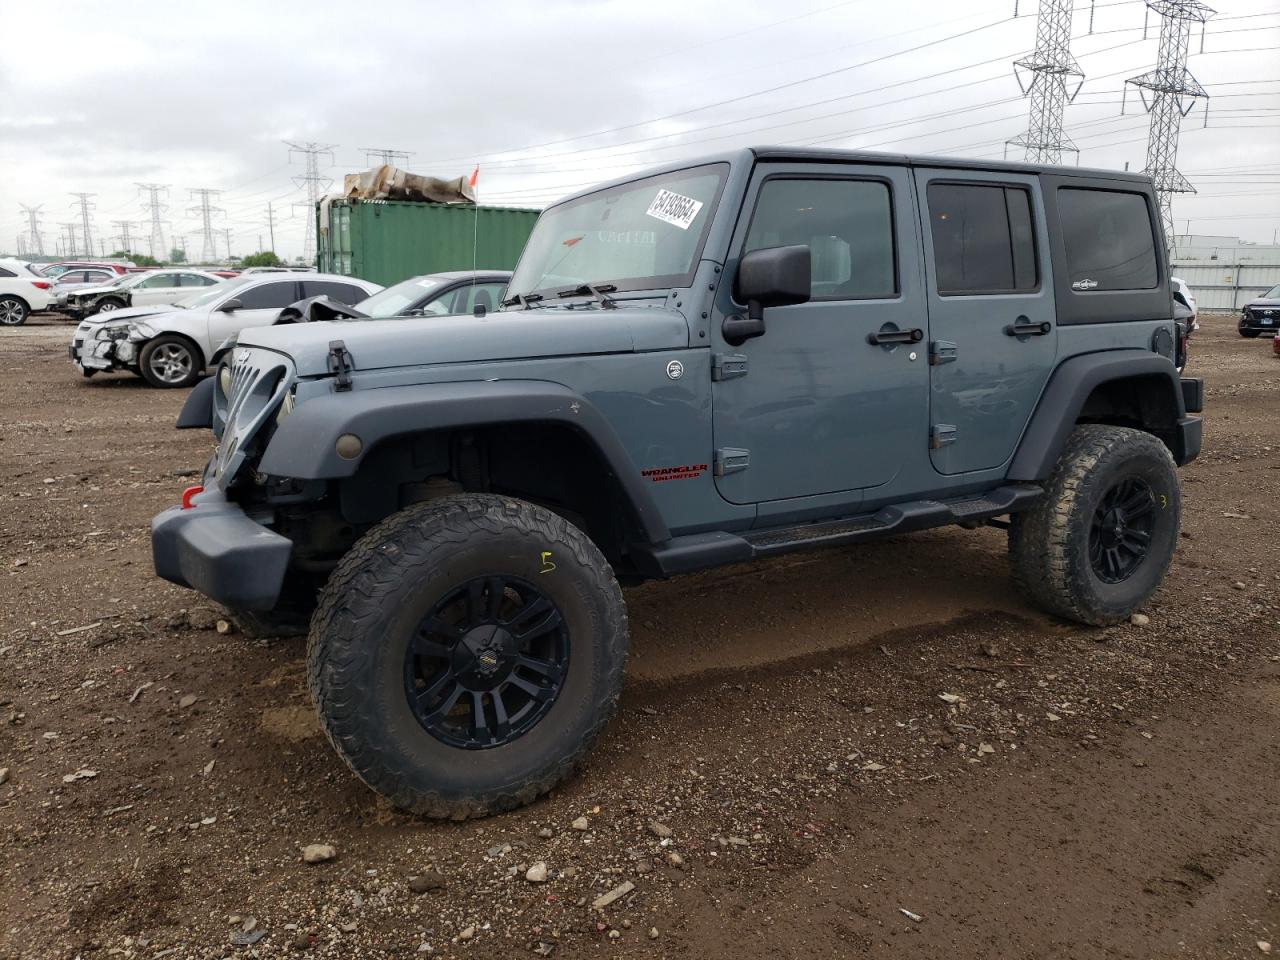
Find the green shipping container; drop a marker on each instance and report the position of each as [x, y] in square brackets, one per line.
[386, 241]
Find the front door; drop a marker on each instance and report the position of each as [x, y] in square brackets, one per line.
[814, 406]
[991, 313]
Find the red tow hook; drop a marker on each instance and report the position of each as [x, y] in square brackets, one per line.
[188, 495]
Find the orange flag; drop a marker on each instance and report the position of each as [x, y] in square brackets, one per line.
[475, 175]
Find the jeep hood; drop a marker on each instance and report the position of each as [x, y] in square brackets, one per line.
[504, 335]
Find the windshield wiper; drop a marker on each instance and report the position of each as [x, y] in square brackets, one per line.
[525, 300]
[593, 290]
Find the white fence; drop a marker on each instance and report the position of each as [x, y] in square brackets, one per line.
[1221, 285]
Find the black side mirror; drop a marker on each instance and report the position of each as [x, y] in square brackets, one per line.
[772, 277]
[231, 305]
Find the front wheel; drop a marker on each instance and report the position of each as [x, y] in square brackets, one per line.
[1096, 547]
[109, 305]
[170, 361]
[1250, 334]
[466, 654]
[13, 311]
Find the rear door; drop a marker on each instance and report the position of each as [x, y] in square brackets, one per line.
[348, 293]
[993, 326]
[160, 288]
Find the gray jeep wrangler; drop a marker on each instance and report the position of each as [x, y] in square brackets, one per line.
[714, 362]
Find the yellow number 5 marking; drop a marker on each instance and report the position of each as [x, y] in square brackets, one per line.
[547, 565]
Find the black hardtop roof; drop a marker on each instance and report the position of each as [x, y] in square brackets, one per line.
[828, 155]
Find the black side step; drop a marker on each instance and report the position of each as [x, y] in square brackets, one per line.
[702, 550]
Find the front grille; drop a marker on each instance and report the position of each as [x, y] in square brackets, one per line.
[259, 381]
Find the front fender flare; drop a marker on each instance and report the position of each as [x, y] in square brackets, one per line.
[303, 446]
[1064, 398]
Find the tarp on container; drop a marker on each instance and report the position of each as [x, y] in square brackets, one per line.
[391, 183]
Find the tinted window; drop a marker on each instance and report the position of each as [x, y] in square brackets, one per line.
[847, 225]
[464, 299]
[1109, 242]
[347, 293]
[160, 280]
[6, 273]
[982, 238]
[268, 296]
[100, 276]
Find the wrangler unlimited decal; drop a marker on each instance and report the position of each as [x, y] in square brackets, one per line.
[686, 472]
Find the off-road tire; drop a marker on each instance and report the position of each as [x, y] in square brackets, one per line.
[13, 311]
[374, 601]
[166, 342]
[1250, 334]
[1049, 543]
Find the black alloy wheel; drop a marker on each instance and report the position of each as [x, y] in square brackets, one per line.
[1120, 534]
[487, 662]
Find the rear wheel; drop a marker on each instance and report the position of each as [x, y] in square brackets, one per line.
[170, 361]
[1098, 544]
[1250, 334]
[466, 654]
[13, 311]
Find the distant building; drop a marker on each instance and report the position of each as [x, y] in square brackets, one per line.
[1225, 272]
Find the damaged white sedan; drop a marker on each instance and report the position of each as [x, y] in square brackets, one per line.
[170, 346]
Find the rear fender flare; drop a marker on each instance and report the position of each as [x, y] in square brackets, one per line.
[1064, 398]
[303, 446]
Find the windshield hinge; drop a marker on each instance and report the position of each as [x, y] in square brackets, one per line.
[340, 364]
[726, 366]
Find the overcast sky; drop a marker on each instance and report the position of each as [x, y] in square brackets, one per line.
[552, 96]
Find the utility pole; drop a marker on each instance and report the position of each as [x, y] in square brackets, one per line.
[35, 242]
[206, 210]
[155, 207]
[1173, 93]
[271, 226]
[385, 154]
[315, 183]
[82, 200]
[69, 240]
[1052, 69]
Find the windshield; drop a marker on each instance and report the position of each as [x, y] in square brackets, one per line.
[642, 235]
[395, 301]
[208, 295]
[1273, 293]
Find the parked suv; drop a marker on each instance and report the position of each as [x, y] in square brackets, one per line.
[1261, 314]
[169, 345]
[714, 362]
[22, 290]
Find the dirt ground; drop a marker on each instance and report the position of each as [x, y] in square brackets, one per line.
[1077, 792]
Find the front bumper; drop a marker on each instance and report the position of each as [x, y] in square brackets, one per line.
[89, 353]
[1252, 323]
[216, 549]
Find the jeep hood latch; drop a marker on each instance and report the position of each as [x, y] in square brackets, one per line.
[341, 365]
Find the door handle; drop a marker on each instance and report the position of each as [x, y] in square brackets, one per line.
[1022, 327]
[885, 337]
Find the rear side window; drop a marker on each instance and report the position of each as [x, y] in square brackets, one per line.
[983, 241]
[347, 293]
[847, 225]
[6, 273]
[1109, 240]
[268, 295]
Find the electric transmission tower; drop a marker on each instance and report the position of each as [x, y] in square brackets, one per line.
[156, 207]
[82, 201]
[315, 182]
[385, 154]
[69, 240]
[126, 234]
[1169, 92]
[1052, 69]
[34, 242]
[226, 235]
[206, 211]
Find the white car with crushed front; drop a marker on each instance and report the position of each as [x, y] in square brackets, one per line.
[170, 345]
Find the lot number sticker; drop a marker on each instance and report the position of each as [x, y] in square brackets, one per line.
[674, 209]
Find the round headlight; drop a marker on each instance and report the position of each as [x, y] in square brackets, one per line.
[224, 380]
